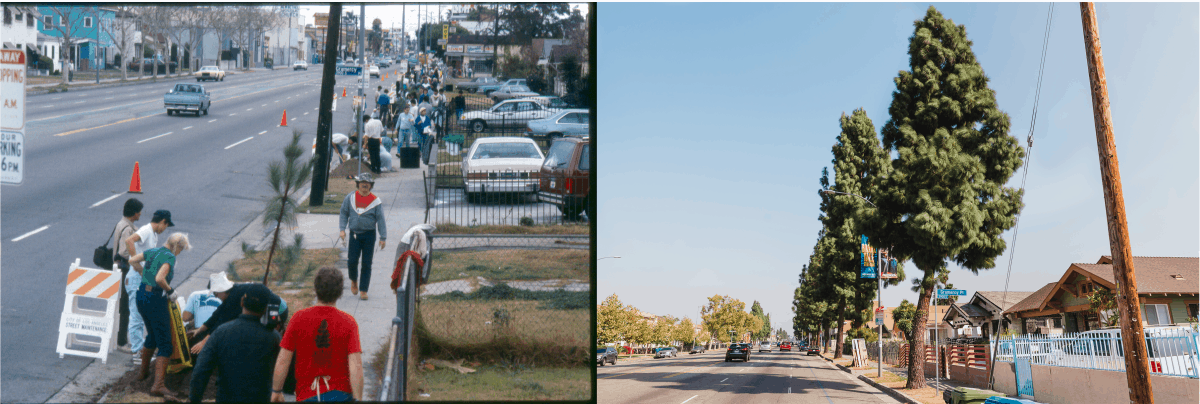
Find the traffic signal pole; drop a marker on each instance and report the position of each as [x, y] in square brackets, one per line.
[1137, 369]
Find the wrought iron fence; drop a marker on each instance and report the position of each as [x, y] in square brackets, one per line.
[1172, 352]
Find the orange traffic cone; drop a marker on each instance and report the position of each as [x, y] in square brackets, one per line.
[283, 122]
[343, 93]
[135, 183]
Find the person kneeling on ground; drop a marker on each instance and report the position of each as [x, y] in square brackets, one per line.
[243, 353]
[201, 304]
[230, 309]
[324, 342]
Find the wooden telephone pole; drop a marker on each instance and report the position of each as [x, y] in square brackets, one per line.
[1137, 369]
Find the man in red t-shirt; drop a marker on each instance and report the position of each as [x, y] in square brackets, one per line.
[325, 343]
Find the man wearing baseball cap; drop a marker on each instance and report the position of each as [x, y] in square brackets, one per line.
[230, 309]
[242, 352]
[362, 213]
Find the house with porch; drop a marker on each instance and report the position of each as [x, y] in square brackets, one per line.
[90, 45]
[20, 28]
[1167, 290]
[983, 315]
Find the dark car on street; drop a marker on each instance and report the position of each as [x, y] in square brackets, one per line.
[738, 351]
[606, 354]
[811, 350]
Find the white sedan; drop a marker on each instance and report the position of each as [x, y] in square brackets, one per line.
[508, 113]
[501, 165]
[210, 73]
[374, 70]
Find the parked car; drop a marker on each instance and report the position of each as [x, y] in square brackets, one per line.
[515, 82]
[501, 165]
[134, 65]
[511, 92]
[473, 85]
[738, 351]
[665, 352]
[210, 73]
[300, 65]
[564, 179]
[552, 102]
[812, 350]
[606, 354]
[698, 349]
[373, 70]
[785, 346]
[383, 63]
[764, 346]
[187, 97]
[570, 122]
[508, 113]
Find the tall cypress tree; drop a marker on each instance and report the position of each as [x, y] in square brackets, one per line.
[944, 196]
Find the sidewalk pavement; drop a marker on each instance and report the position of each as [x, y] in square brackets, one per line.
[83, 80]
[403, 198]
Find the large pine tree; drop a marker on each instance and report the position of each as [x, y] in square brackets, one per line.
[944, 197]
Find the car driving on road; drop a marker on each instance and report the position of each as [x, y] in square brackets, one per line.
[665, 353]
[698, 349]
[210, 73]
[300, 65]
[738, 351]
[764, 346]
[187, 97]
[606, 354]
[785, 346]
[812, 350]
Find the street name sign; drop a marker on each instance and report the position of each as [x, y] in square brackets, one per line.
[12, 116]
[944, 293]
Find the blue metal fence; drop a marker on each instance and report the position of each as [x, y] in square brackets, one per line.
[1172, 351]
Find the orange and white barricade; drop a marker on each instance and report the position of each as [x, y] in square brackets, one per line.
[77, 321]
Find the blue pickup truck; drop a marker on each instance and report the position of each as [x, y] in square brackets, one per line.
[187, 97]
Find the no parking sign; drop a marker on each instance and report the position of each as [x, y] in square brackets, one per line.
[12, 116]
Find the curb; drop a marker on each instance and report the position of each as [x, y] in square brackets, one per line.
[901, 397]
[45, 88]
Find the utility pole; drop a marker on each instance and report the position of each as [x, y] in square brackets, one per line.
[362, 82]
[325, 115]
[1137, 369]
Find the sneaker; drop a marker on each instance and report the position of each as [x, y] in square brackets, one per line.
[137, 360]
[125, 349]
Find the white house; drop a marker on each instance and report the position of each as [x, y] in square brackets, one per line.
[19, 30]
[286, 41]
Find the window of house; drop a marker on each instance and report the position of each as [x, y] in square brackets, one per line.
[1156, 314]
[29, 22]
[1056, 322]
[1193, 310]
[87, 22]
[48, 21]
[7, 16]
[20, 16]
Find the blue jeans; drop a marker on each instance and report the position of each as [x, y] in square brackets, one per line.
[137, 327]
[361, 244]
[334, 395]
[153, 307]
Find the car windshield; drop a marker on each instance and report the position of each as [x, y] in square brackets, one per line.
[506, 151]
[602, 350]
[208, 68]
[559, 154]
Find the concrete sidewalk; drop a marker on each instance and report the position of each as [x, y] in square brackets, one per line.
[403, 198]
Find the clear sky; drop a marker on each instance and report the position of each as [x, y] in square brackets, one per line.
[718, 118]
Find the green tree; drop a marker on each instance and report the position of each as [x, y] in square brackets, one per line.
[903, 317]
[285, 178]
[375, 36]
[612, 320]
[640, 331]
[663, 330]
[762, 332]
[944, 196]
[684, 331]
[724, 313]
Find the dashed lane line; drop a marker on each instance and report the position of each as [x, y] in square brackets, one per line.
[262, 132]
[235, 113]
[211, 121]
[23, 236]
[106, 200]
[239, 142]
[189, 127]
[690, 399]
[156, 137]
[723, 381]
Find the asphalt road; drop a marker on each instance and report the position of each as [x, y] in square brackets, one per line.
[80, 149]
[776, 377]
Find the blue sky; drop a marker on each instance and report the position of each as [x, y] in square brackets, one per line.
[717, 119]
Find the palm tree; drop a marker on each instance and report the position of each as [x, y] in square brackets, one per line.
[285, 177]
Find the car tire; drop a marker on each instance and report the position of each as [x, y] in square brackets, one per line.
[222, 78]
[727, 359]
[478, 126]
[602, 363]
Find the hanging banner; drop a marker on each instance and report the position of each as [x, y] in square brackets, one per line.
[866, 260]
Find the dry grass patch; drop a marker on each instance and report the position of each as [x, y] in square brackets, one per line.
[335, 192]
[292, 282]
[505, 331]
[511, 264]
[574, 229]
[497, 383]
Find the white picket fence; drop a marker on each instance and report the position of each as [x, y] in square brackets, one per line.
[1172, 351]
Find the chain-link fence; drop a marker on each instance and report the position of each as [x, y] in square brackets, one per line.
[519, 299]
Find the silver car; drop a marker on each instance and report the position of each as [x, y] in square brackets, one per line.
[510, 92]
[567, 122]
[508, 113]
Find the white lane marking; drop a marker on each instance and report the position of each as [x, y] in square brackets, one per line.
[262, 132]
[80, 102]
[723, 381]
[48, 106]
[293, 119]
[276, 100]
[690, 399]
[314, 109]
[105, 200]
[305, 113]
[249, 109]
[189, 127]
[235, 113]
[264, 105]
[211, 121]
[55, 98]
[789, 390]
[156, 137]
[109, 98]
[238, 143]
[23, 236]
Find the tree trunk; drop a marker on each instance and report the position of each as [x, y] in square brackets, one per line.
[275, 239]
[916, 348]
[840, 327]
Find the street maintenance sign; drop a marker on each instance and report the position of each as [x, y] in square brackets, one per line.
[78, 322]
[945, 293]
[12, 116]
